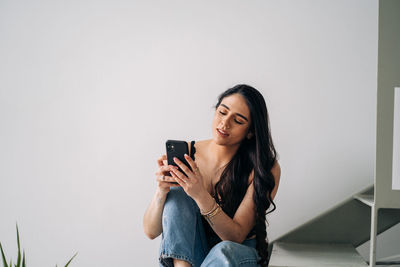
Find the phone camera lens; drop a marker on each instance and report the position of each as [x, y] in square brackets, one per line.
[170, 147]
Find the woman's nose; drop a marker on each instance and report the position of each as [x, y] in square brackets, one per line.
[225, 123]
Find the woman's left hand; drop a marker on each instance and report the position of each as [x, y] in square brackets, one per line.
[192, 183]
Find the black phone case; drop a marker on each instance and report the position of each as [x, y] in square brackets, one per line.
[176, 148]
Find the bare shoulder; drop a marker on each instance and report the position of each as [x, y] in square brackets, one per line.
[200, 145]
[276, 170]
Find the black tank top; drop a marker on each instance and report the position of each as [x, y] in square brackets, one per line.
[212, 237]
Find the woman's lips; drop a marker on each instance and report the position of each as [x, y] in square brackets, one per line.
[222, 133]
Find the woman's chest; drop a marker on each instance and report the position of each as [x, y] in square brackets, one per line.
[210, 176]
[210, 173]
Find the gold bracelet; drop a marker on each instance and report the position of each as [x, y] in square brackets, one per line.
[215, 212]
[209, 217]
[212, 209]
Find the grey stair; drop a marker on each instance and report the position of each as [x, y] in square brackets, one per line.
[367, 199]
[349, 222]
[315, 255]
[330, 238]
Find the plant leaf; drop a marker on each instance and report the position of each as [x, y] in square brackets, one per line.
[70, 260]
[23, 260]
[19, 250]
[3, 256]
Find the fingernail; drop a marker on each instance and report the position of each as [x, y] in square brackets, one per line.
[186, 155]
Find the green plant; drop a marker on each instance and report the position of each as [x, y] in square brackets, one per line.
[21, 262]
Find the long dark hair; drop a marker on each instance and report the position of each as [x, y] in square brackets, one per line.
[256, 153]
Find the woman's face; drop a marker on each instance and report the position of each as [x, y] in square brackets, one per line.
[231, 120]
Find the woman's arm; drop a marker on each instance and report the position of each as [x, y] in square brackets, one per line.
[276, 172]
[237, 229]
[152, 220]
[225, 227]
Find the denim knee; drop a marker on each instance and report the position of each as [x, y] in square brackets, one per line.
[178, 203]
[225, 247]
[229, 253]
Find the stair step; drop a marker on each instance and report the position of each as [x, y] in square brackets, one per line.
[367, 199]
[314, 255]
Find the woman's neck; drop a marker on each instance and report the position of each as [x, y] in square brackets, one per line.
[220, 155]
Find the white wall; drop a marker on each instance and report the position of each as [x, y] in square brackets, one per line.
[90, 91]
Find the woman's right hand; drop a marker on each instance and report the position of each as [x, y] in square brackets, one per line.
[163, 178]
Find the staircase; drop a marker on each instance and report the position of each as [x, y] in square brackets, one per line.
[330, 239]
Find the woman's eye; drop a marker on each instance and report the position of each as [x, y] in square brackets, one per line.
[222, 113]
[238, 122]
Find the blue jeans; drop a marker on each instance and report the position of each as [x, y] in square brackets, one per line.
[183, 237]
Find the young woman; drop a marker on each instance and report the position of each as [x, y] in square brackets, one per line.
[215, 215]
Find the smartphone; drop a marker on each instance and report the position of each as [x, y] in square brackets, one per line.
[178, 149]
